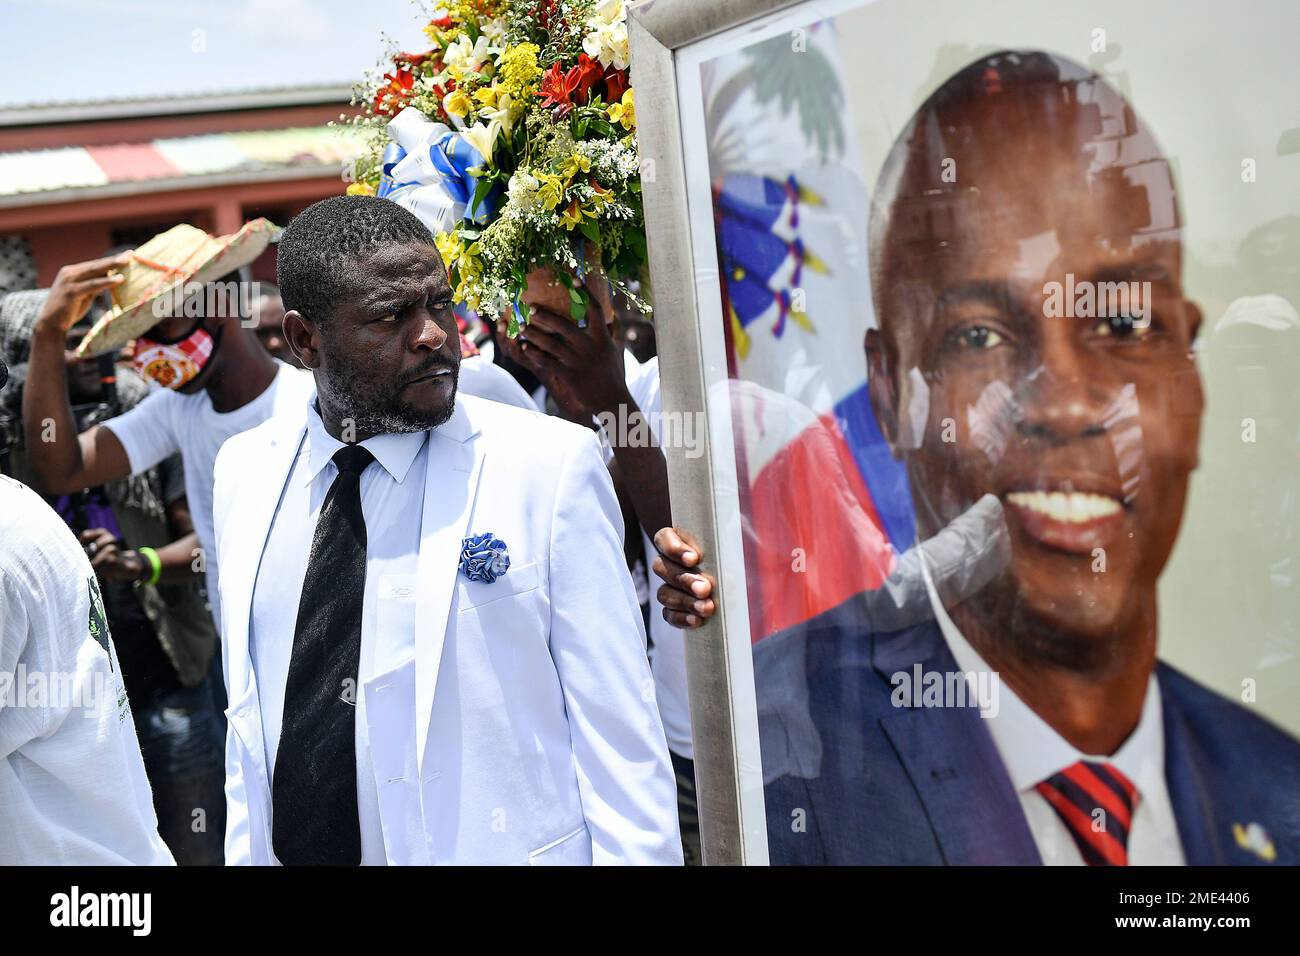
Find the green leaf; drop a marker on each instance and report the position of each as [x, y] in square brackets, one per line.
[590, 230]
[577, 304]
[480, 192]
[634, 239]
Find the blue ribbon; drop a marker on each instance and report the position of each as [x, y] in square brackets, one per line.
[431, 170]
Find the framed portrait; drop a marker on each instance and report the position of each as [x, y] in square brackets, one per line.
[991, 315]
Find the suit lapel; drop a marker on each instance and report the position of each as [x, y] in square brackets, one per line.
[1186, 775]
[250, 525]
[451, 485]
[953, 763]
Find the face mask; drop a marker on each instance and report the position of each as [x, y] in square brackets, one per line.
[174, 364]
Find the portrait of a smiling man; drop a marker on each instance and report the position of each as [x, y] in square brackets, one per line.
[1033, 369]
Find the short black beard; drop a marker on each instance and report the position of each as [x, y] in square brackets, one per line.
[373, 407]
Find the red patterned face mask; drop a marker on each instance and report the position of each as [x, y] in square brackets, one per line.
[174, 364]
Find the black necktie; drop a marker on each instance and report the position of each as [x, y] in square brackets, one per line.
[314, 793]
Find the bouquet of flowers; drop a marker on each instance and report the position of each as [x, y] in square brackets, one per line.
[514, 140]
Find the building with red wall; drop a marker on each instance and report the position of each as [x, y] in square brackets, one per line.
[77, 180]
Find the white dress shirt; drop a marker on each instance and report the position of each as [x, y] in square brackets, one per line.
[392, 497]
[1032, 752]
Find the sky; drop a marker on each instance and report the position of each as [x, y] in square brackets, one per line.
[59, 51]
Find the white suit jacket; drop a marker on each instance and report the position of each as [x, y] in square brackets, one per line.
[535, 737]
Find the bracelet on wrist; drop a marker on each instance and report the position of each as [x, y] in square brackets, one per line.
[154, 562]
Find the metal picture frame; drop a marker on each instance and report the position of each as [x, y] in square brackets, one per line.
[719, 667]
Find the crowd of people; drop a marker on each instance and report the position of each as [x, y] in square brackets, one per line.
[307, 641]
[379, 583]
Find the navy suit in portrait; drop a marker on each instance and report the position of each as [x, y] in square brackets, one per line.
[852, 779]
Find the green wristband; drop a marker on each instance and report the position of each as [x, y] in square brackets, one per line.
[155, 563]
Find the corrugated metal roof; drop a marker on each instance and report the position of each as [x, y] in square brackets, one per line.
[172, 160]
[51, 114]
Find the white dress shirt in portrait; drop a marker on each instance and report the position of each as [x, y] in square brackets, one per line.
[1032, 752]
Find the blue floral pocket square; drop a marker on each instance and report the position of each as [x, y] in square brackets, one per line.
[483, 557]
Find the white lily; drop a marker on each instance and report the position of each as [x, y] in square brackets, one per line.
[483, 138]
[503, 115]
[608, 44]
[607, 41]
[462, 56]
[495, 30]
[608, 11]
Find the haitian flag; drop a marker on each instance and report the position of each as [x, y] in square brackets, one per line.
[825, 507]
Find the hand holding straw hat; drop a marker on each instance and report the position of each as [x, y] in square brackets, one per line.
[167, 270]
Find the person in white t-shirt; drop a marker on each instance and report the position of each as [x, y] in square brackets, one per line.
[73, 788]
[229, 384]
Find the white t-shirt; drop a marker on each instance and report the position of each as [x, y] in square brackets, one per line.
[668, 658]
[168, 422]
[72, 784]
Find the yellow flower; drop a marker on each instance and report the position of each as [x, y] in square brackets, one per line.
[571, 216]
[449, 247]
[518, 70]
[624, 111]
[442, 38]
[360, 189]
[466, 263]
[600, 198]
[551, 190]
[574, 164]
[457, 103]
[487, 95]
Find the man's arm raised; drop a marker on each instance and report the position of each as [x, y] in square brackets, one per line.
[63, 460]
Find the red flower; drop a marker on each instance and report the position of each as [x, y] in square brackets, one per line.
[412, 61]
[543, 12]
[616, 85]
[442, 23]
[557, 88]
[587, 73]
[566, 90]
[390, 99]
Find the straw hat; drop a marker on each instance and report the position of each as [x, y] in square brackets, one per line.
[150, 293]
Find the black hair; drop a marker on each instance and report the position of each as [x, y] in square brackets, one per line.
[318, 248]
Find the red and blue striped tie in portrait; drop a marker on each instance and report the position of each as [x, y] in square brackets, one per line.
[1095, 801]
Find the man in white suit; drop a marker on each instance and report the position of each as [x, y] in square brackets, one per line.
[433, 649]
